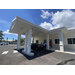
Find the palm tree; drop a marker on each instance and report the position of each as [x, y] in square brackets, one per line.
[7, 39]
[1, 35]
[13, 40]
[1, 38]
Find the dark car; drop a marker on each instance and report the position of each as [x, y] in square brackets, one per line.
[34, 46]
[1, 44]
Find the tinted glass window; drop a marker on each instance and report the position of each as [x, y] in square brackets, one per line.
[56, 41]
[73, 40]
[69, 40]
[44, 41]
[37, 41]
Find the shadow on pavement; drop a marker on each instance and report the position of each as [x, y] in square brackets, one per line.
[65, 62]
[37, 53]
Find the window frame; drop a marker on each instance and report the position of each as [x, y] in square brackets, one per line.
[68, 40]
[57, 41]
[38, 41]
[71, 40]
[45, 41]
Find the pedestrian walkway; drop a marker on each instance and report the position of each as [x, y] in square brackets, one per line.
[66, 51]
[6, 52]
[15, 51]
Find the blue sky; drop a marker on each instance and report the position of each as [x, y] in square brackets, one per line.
[46, 18]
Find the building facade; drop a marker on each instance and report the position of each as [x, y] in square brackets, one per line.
[62, 38]
[68, 40]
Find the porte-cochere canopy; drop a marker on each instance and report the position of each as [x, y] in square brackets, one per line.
[21, 26]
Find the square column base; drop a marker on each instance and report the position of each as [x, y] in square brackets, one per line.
[61, 48]
[28, 53]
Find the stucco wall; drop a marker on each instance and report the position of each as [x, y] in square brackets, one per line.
[66, 45]
[53, 37]
[68, 35]
[41, 39]
[56, 36]
[69, 47]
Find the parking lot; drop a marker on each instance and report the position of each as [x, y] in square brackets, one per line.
[10, 56]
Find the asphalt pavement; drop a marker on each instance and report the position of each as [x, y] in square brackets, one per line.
[10, 56]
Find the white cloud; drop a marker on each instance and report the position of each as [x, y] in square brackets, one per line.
[23, 36]
[47, 26]
[45, 14]
[7, 32]
[6, 23]
[64, 18]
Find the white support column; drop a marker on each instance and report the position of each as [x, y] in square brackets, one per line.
[47, 38]
[27, 47]
[25, 44]
[18, 41]
[61, 41]
[29, 41]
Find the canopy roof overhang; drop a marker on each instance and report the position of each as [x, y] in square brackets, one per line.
[20, 25]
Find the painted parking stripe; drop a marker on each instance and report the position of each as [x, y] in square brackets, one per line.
[15, 51]
[5, 52]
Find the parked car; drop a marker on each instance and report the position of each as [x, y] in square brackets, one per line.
[10, 42]
[3, 43]
[34, 46]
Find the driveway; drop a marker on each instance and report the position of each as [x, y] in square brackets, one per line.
[9, 56]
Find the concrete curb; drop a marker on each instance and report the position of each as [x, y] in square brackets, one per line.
[64, 52]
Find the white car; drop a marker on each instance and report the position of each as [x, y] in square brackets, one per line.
[3, 43]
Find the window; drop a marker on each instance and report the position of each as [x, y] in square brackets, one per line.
[44, 41]
[56, 41]
[71, 40]
[37, 41]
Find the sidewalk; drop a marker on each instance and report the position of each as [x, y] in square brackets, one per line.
[66, 51]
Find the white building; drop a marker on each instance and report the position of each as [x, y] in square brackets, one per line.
[62, 38]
